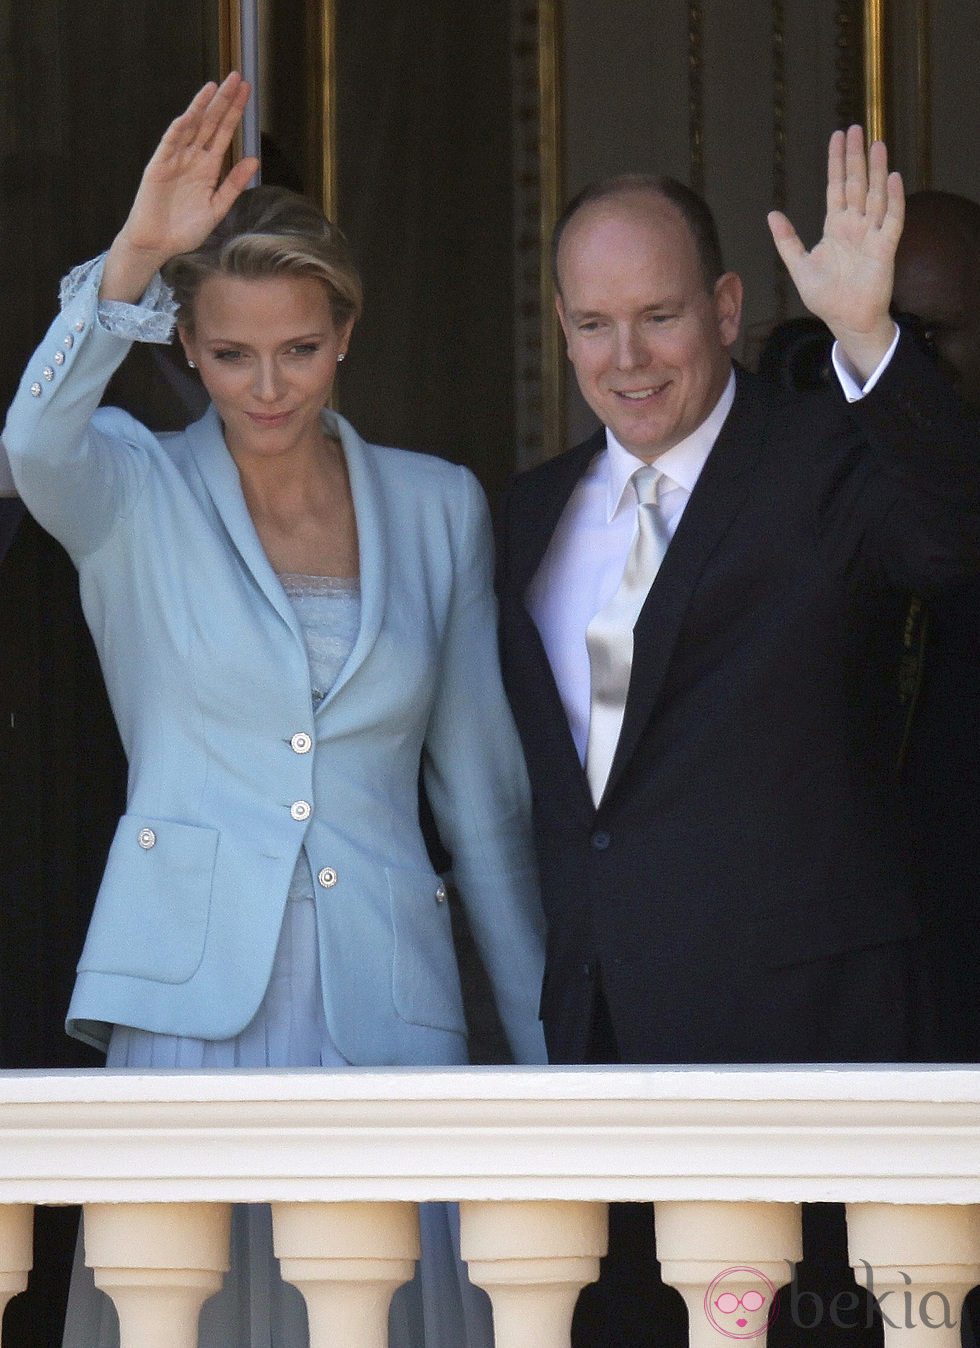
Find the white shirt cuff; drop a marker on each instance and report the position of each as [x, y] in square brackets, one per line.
[853, 391]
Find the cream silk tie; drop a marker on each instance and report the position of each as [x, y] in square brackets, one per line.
[609, 636]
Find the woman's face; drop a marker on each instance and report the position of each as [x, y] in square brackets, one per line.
[267, 351]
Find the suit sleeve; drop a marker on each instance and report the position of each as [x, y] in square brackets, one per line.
[925, 456]
[75, 465]
[7, 487]
[477, 785]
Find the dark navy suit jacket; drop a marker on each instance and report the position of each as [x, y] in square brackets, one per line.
[742, 892]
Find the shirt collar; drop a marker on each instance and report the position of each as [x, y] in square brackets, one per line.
[681, 464]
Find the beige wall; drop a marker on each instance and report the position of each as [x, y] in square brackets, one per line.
[625, 91]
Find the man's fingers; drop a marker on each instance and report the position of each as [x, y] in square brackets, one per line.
[855, 169]
[895, 192]
[836, 200]
[878, 191]
[785, 237]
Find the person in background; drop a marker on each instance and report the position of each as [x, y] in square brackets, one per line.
[292, 624]
[937, 283]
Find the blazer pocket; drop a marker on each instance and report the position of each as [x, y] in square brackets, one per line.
[424, 975]
[151, 916]
[831, 928]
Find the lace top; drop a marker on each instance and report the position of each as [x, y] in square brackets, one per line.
[329, 612]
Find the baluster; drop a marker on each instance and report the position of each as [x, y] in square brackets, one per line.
[16, 1249]
[727, 1260]
[347, 1259]
[533, 1259]
[918, 1262]
[159, 1262]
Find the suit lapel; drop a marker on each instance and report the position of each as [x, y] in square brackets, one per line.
[373, 533]
[715, 501]
[221, 478]
[542, 508]
[223, 483]
[544, 496]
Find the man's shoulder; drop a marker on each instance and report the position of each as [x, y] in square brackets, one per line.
[548, 475]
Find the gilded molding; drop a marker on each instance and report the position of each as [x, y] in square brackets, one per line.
[923, 80]
[325, 106]
[549, 163]
[230, 53]
[848, 84]
[874, 69]
[695, 92]
[778, 12]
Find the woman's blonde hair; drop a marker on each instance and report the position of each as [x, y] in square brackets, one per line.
[270, 231]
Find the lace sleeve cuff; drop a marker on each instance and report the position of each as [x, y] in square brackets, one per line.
[152, 320]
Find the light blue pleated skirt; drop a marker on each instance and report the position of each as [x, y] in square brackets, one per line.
[255, 1308]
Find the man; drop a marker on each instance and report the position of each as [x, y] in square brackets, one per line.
[937, 281]
[717, 828]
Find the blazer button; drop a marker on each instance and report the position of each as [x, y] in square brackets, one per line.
[146, 838]
[36, 390]
[301, 742]
[327, 877]
[441, 894]
[600, 840]
[301, 810]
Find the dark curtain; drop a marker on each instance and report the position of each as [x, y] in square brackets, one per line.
[85, 91]
[425, 129]
[424, 134]
[425, 177]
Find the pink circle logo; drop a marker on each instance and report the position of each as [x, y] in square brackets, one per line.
[740, 1302]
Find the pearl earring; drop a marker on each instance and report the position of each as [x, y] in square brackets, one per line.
[341, 356]
[191, 365]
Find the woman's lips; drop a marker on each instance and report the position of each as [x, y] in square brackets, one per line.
[269, 418]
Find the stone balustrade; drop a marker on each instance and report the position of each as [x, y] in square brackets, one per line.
[726, 1155]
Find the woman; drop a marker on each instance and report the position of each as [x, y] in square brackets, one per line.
[291, 623]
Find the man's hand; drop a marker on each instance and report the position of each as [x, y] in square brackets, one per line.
[847, 278]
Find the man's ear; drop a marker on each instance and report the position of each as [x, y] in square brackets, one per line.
[728, 306]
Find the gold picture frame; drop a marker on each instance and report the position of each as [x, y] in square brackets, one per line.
[550, 171]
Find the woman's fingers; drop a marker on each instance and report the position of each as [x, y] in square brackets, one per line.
[223, 113]
[234, 184]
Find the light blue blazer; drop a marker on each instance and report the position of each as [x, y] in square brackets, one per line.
[231, 770]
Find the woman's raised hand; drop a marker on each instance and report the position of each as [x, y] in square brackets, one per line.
[181, 196]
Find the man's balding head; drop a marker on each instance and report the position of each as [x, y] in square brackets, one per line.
[648, 323]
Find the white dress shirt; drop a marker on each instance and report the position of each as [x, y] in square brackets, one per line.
[584, 562]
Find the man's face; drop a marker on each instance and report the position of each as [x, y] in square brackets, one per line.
[648, 342]
[937, 278]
